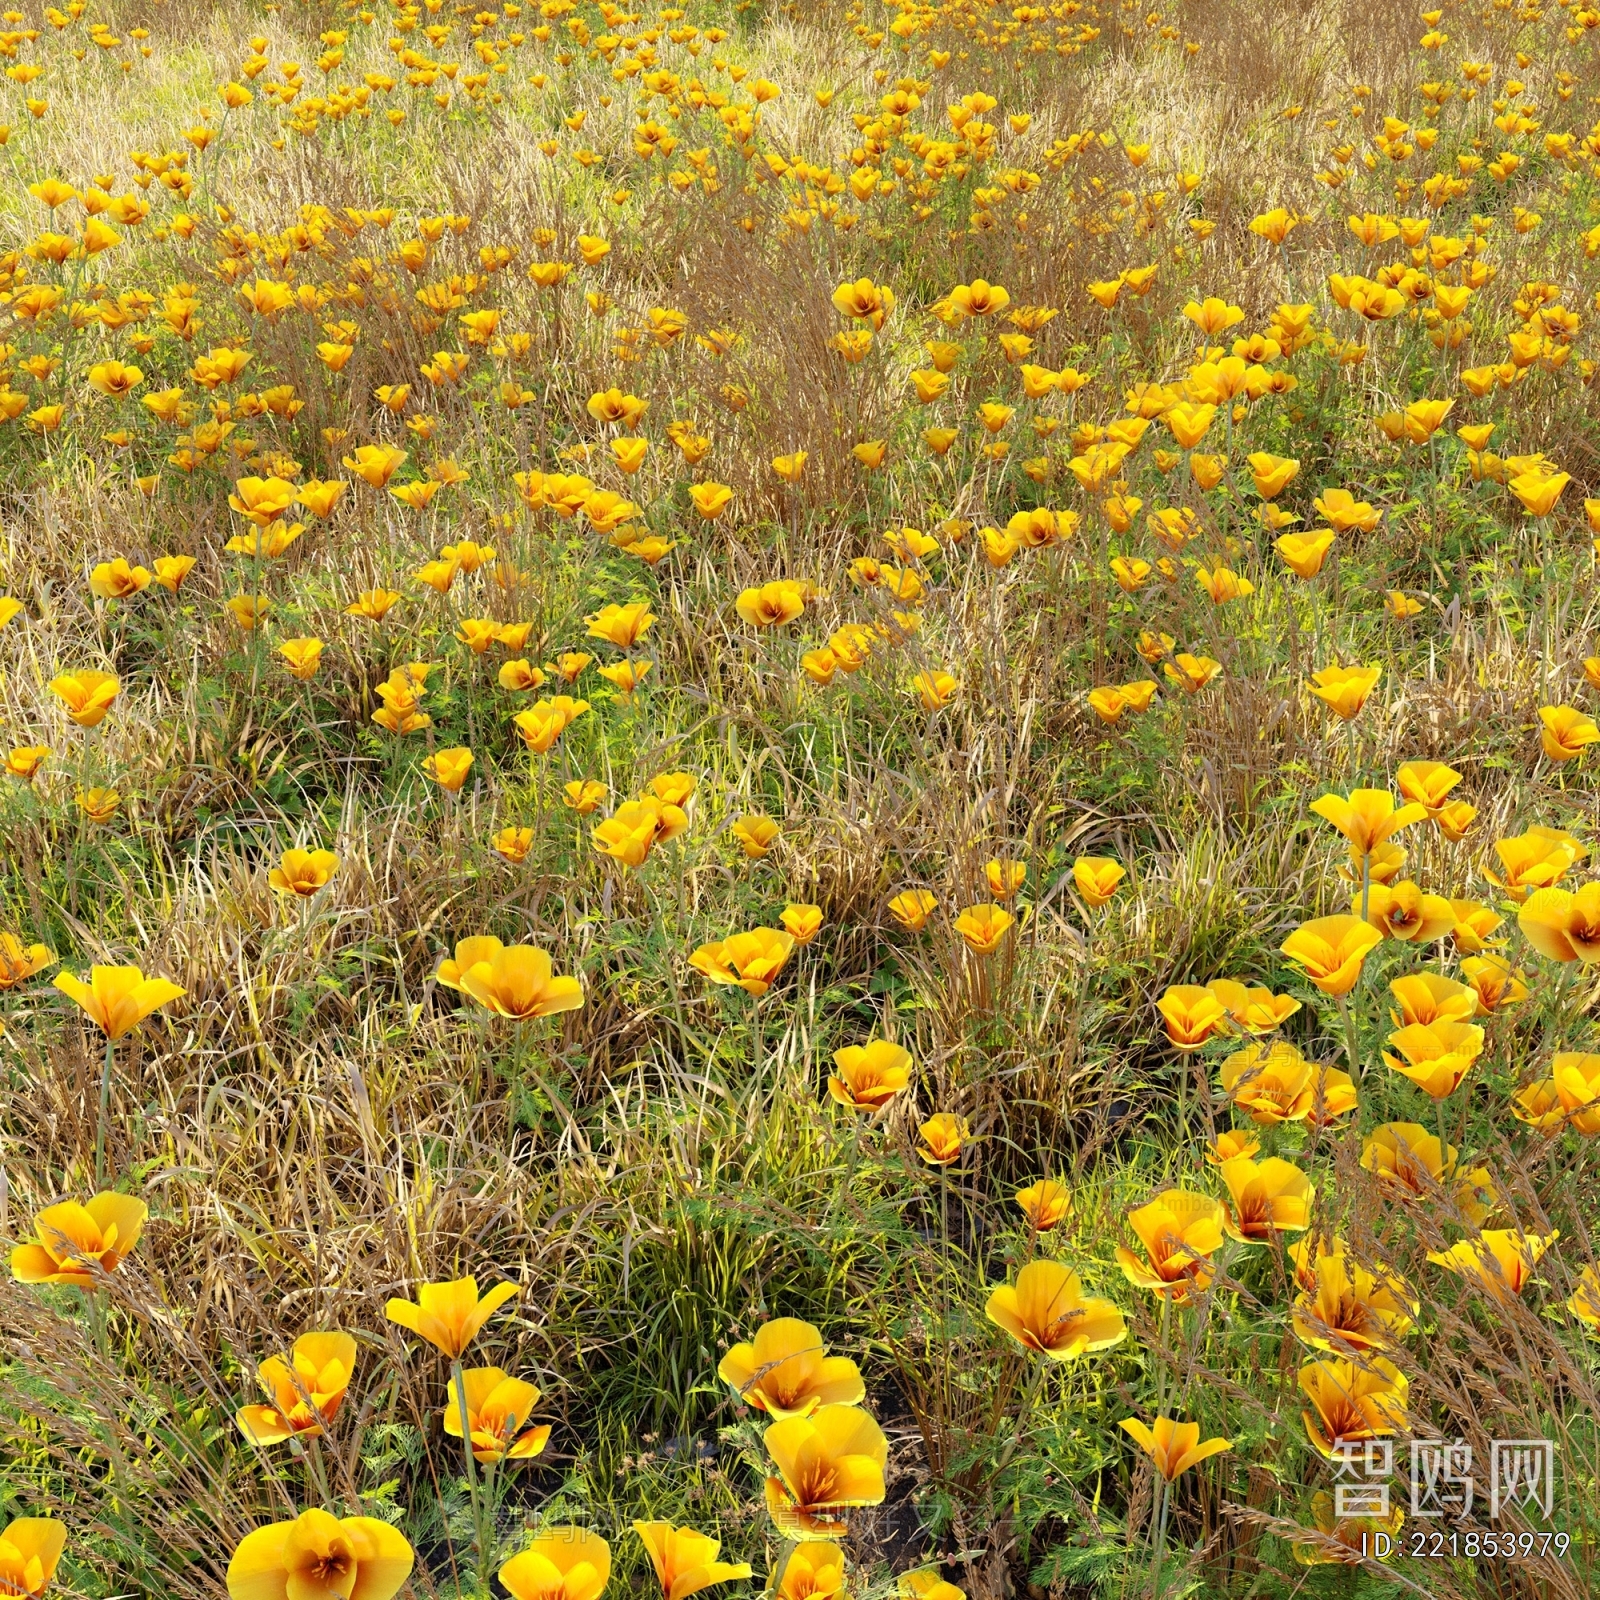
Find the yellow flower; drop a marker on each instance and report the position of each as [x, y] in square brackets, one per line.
[449, 1315]
[772, 604]
[1304, 553]
[1097, 878]
[1538, 490]
[1173, 1446]
[375, 464]
[584, 795]
[19, 962]
[302, 657]
[1190, 1015]
[98, 805]
[78, 1243]
[516, 982]
[363, 1558]
[1534, 859]
[1005, 877]
[306, 1390]
[756, 834]
[1271, 1084]
[983, 927]
[1046, 1311]
[710, 499]
[1345, 689]
[248, 610]
[827, 1461]
[943, 1137]
[117, 999]
[935, 690]
[1331, 950]
[1563, 926]
[869, 1075]
[562, 1563]
[374, 605]
[87, 694]
[116, 580]
[686, 1561]
[636, 827]
[1256, 1010]
[911, 908]
[751, 961]
[1180, 1232]
[1352, 1402]
[1403, 911]
[1428, 997]
[30, 1552]
[787, 1371]
[623, 626]
[513, 843]
[1436, 1056]
[1584, 1303]
[814, 1571]
[1264, 1198]
[1346, 1541]
[1045, 1204]
[790, 467]
[1500, 1261]
[449, 768]
[303, 872]
[1350, 1308]
[546, 720]
[497, 1407]
[1566, 732]
[804, 922]
[1575, 1076]
[1368, 817]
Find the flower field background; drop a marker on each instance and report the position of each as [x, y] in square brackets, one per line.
[826, 767]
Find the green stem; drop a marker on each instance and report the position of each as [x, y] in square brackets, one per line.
[479, 1537]
[1351, 1053]
[1161, 1540]
[105, 1115]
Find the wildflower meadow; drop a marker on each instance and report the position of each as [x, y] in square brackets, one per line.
[798, 800]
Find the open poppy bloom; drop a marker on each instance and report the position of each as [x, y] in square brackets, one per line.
[1180, 1232]
[869, 1076]
[117, 999]
[318, 1554]
[944, 1136]
[517, 982]
[30, 1552]
[301, 873]
[561, 1564]
[827, 1461]
[814, 1571]
[1500, 1261]
[786, 1371]
[1174, 1447]
[19, 962]
[497, 1407]
[449, 1315]
[686, 1561]
[78, 1243]
[1264, 1198]
[306, 1390]
[749, 961]
[1046, 1311]
[1352, 1401]
[1350, 1308]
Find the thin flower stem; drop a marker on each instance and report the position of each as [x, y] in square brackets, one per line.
[479, 1539]
[105, 1115]
[1161, 1540]
[1351, 1052]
